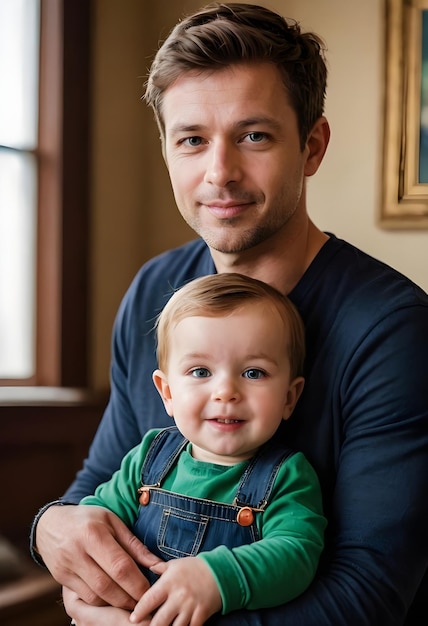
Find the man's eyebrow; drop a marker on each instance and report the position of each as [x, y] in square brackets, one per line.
[178, 129]
[259, 121]
[181, 128]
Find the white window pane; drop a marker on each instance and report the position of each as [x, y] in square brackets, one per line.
[17, 263]
[19, 61]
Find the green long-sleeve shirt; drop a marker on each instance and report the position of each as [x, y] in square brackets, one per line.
[266, 573]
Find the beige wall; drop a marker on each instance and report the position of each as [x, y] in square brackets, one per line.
[133, 212]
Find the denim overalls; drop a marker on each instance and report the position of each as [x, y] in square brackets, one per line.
[173, 525]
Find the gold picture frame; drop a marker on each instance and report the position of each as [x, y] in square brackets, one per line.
[405, 150]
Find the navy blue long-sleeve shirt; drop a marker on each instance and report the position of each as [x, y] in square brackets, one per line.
[362, 422]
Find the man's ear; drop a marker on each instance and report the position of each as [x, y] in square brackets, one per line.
[161, 383]
[293, 394]
[317, 143]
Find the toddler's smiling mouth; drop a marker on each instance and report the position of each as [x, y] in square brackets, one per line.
[225, 420]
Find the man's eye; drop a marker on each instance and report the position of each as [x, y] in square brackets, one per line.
[200, 372]
[253, 374]
[256, 137]
[193, 142]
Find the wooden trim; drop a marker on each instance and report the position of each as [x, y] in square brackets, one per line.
[49, 266]
[64, 128]
[43, 442]
[32, 600]
[75, 190]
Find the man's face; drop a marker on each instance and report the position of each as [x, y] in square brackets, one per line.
[233, 154]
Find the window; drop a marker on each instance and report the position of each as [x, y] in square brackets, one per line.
[19, 45]
[44, 163]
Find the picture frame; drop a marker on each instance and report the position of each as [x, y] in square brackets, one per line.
[404, 201]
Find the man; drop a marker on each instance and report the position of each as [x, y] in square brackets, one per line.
[238, 95]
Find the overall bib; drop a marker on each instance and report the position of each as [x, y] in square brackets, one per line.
[173, 525]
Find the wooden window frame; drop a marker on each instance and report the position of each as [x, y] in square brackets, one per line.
[63, 155]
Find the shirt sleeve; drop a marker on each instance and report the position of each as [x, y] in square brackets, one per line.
[118, 430]
[283, 562]
[119, 494]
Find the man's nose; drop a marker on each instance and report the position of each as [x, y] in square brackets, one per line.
[223, 164]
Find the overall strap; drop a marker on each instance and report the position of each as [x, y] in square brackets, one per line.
[256, 484]
[162, 454]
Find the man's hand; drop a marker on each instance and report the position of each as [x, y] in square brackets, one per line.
[87, 615]
[91, 551]
[185, 594]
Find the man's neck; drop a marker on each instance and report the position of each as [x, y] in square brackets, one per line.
[280, 261]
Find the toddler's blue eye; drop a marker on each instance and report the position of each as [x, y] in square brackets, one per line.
[253, 374]
[200, 372]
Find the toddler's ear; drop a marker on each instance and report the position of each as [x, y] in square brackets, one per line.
[293, 394]
[161, 383]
